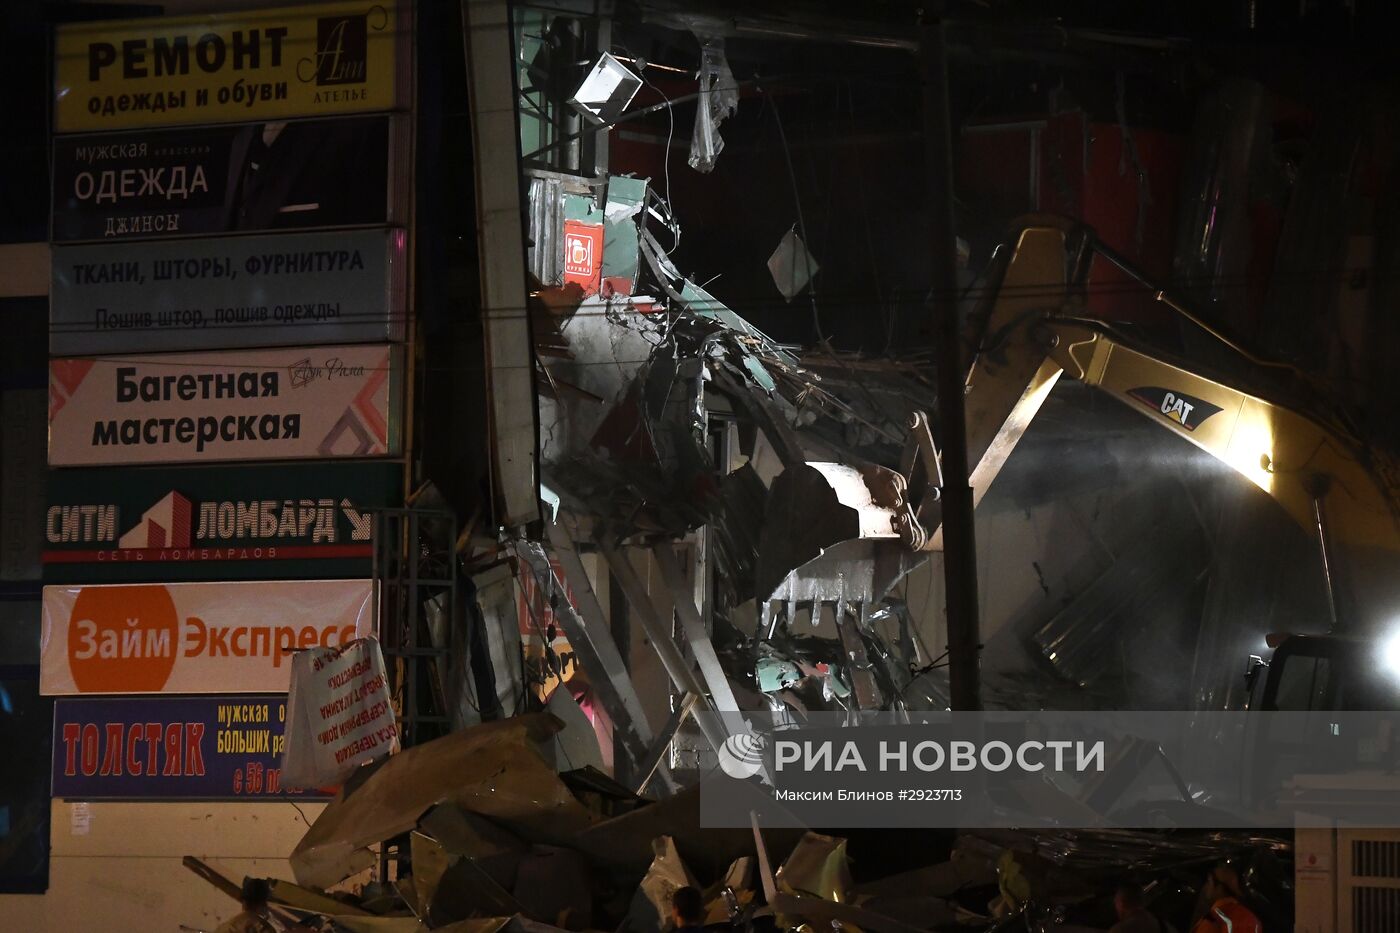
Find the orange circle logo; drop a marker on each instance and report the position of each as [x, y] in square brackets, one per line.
[122, 639]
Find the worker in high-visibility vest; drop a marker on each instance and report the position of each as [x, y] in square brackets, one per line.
[1225, 913]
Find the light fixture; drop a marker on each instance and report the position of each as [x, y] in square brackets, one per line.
[606, 92]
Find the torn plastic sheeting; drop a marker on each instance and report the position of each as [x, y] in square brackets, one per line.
[492, 769]
[818, 866]
[719, 98]
[651, 905]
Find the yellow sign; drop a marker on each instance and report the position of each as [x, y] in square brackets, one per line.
[308, 61]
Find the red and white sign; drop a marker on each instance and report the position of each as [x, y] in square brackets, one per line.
[583, 255]
[237, 405]
[338, 715]
[193, 637]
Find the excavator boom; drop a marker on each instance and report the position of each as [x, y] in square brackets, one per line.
[1034, 329]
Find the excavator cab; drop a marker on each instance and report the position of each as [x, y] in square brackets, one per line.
[1332, 672]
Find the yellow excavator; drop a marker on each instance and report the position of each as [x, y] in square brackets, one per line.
[1268, 421]
[1274, 425]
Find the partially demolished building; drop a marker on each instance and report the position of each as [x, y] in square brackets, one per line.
[683, 278]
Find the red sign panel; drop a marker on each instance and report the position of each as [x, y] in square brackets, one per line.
[583, 255]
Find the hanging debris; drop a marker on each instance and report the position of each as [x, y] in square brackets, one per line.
[719, 98]
[792, 265]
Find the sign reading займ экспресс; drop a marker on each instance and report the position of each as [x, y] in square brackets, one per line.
[192, 637]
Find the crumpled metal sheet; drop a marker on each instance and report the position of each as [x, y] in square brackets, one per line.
[734, 891]
[651, 905]
[479, 925]
[306, 900]
[354, 924]
[466, 888]
[492, 769]
[462, 832]
[818, 866]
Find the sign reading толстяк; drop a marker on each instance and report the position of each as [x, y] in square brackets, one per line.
[170, 748]
[234, 522]
[217, 293]
[317, 60]
[229, 179]
[297, 403]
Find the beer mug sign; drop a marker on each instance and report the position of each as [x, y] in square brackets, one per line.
[583, 252]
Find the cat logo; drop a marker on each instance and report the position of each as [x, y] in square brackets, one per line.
[1186, 410]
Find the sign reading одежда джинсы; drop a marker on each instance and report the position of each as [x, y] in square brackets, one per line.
[247, 178]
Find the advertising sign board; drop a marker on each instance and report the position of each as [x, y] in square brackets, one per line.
[192, 637]
[349, 171]
[316, 60]
[170, 748]
[245, 522]
[217, 293]
[339, 715]
[301, 402]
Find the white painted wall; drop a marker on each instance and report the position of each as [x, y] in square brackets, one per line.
[123, 874]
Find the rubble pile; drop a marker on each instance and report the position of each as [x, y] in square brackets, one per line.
[485, 834]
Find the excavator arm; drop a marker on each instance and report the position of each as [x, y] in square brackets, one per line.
[1034, 330]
